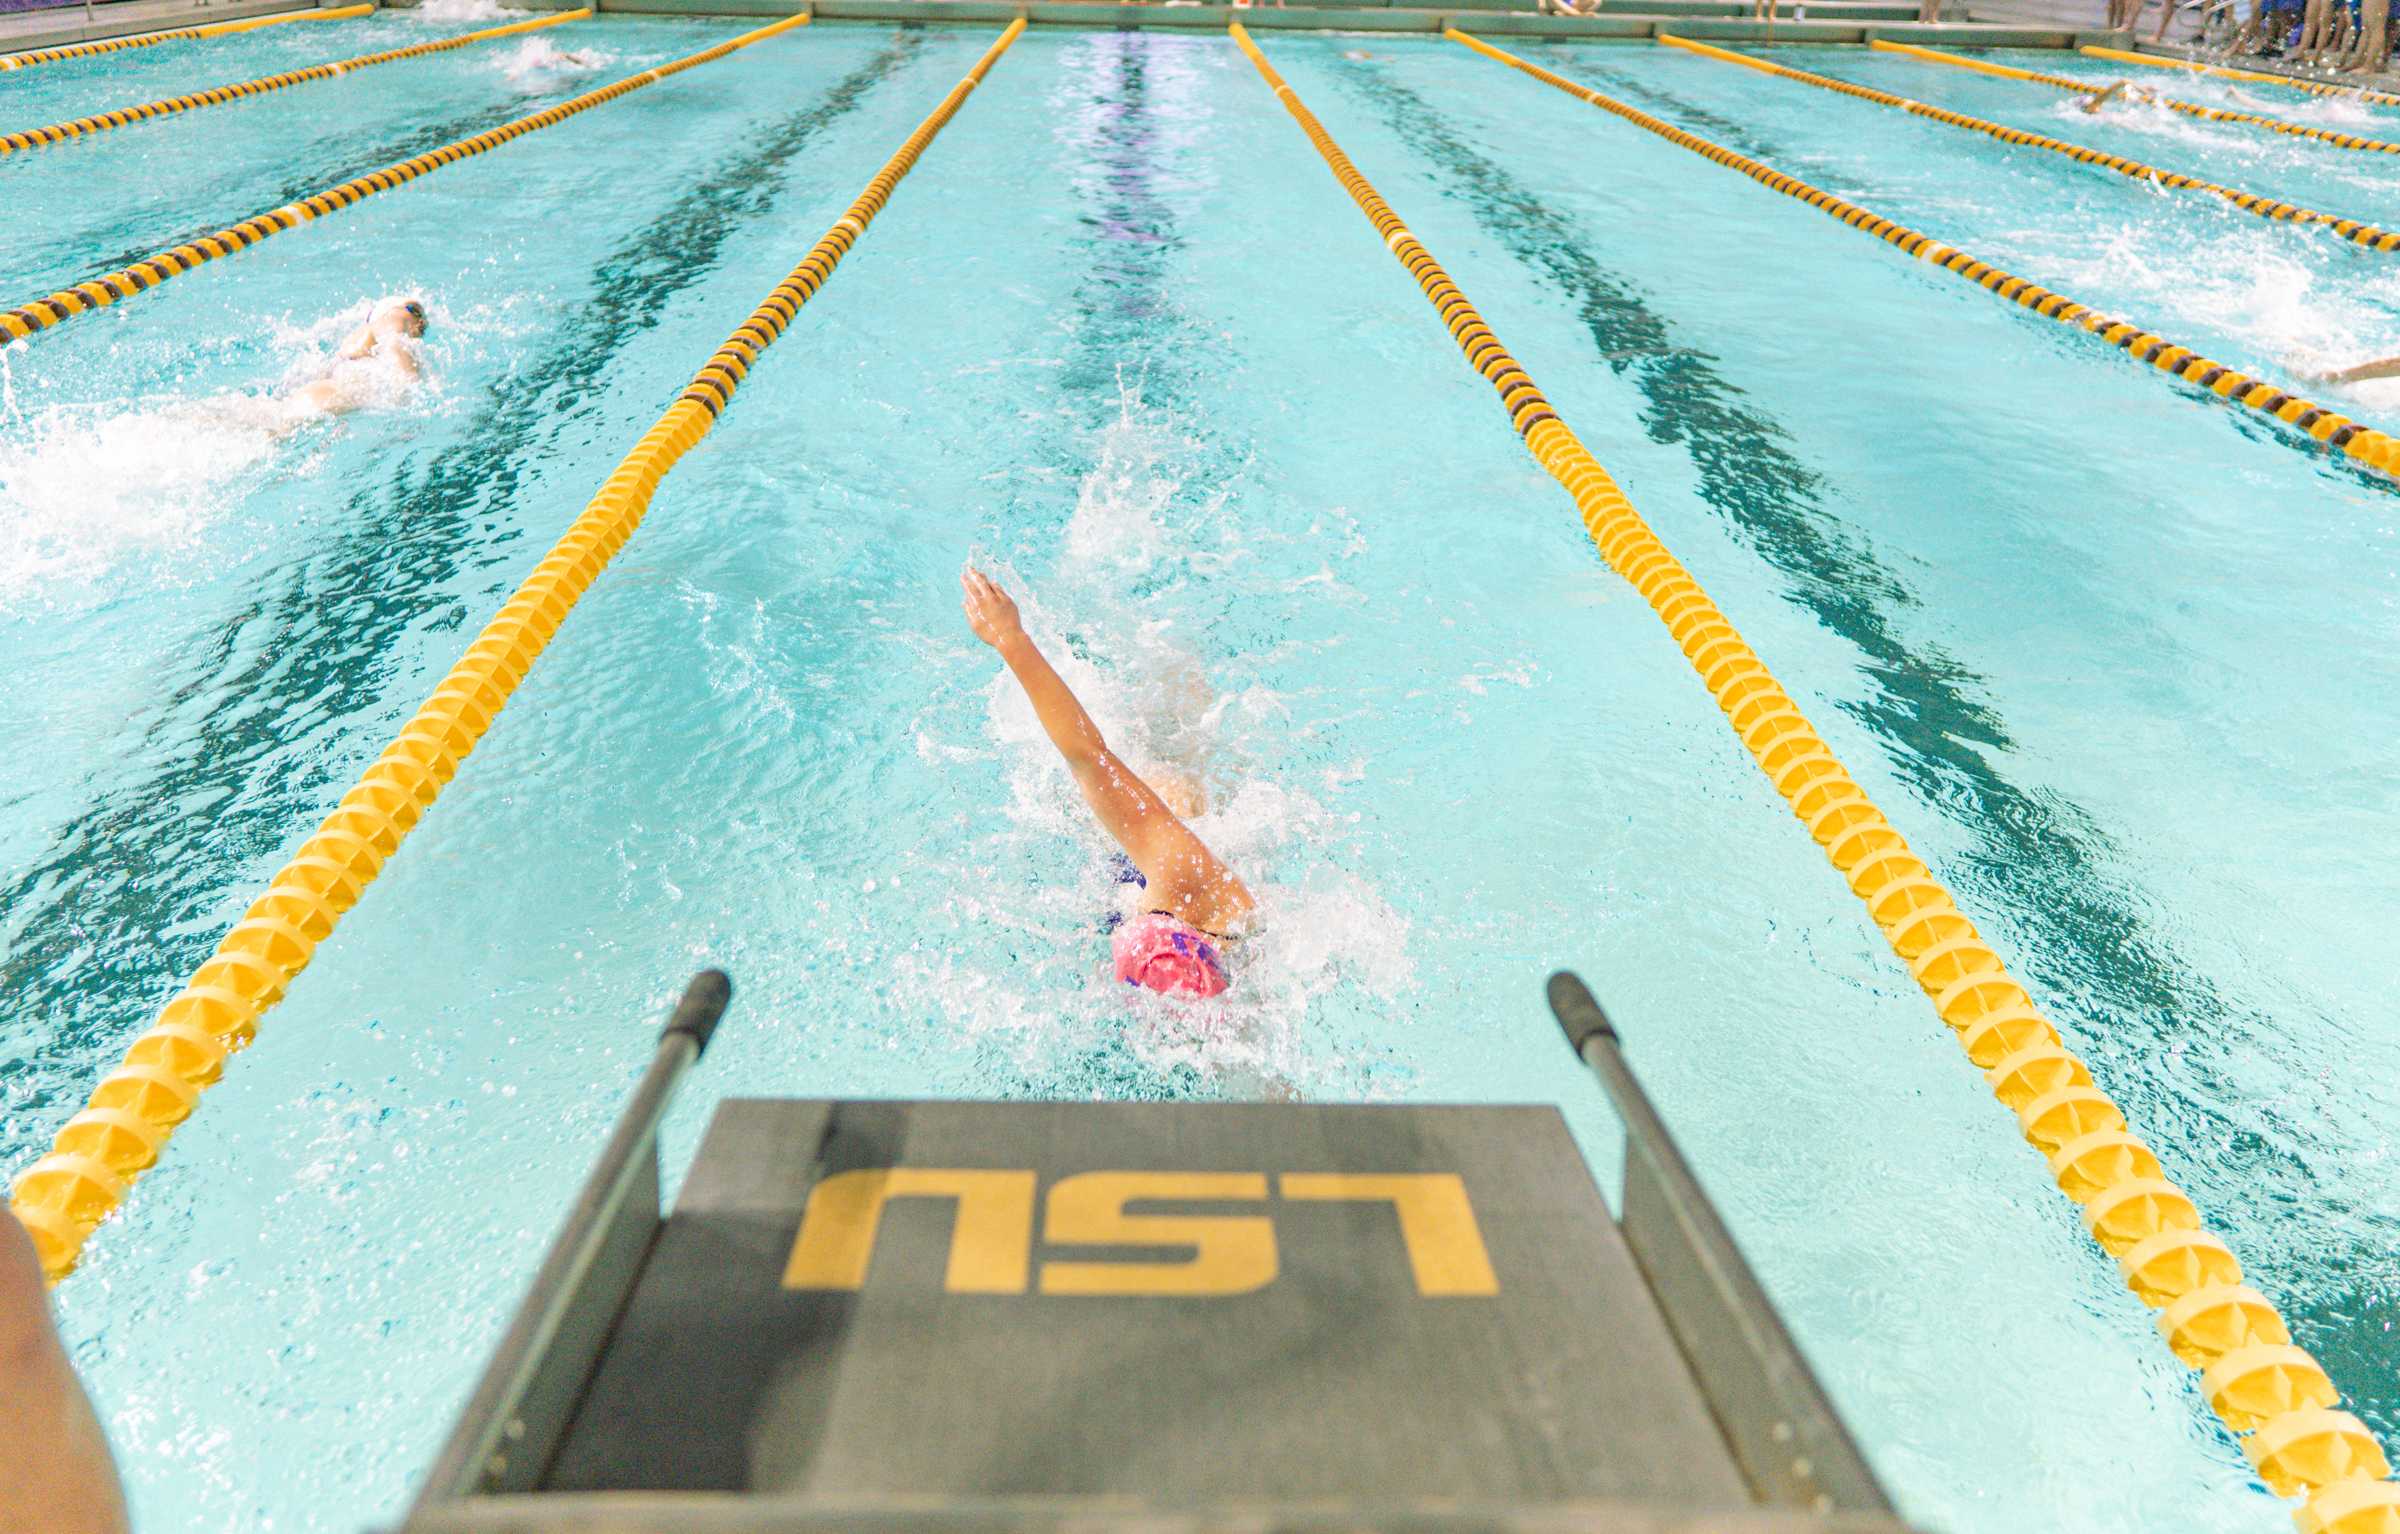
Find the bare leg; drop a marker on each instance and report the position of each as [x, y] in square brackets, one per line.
[2318, 29]
[60, 1478]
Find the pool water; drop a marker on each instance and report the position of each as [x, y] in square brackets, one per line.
[2120, 661]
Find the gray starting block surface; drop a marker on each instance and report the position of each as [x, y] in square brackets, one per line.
[1303, 1360]
[1145, 1318]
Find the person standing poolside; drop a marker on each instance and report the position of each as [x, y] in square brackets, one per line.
[59, 1478]
[1194, 905]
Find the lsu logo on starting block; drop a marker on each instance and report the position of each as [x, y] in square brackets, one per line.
[991, 1235]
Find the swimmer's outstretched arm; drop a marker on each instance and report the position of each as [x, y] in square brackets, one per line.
[60, 1478]
[2382, 367]
[1181, 875]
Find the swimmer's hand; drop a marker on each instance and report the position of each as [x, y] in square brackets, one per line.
[990, 613]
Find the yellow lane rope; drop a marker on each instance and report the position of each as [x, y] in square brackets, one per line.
[84, 297]
[145, 39]
[2364, 444]
[2250, 202]
[63, 1197]
[2255, 1378]
[2187, 108]
[101, 122]
[2256, 77]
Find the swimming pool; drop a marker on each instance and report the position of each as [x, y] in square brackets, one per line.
[2117, 659]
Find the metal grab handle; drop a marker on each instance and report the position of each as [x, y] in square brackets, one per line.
[504, 1437]
[1776, 1418]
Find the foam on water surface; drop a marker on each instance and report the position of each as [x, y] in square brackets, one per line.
[450, 11]
[537, 59]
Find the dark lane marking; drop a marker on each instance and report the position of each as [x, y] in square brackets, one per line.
[265, 721]
[2168, 1043]
[356, 156]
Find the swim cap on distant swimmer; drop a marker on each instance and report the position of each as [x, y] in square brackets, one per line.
[1171, 957]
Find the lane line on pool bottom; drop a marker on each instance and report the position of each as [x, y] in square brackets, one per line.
[2187, 108]
[2255, 1379]
[2361, 443]
[100, 292]
[101, 122]
[2351, 229]
[2256, 77]
[63, 1197]
[178, 34]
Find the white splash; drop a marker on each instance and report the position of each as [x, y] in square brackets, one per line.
[1122, 506]
[2242, 280]
[464, 10]
[1320, 930]
[537, 59]
[1037, 878]
[87, 486]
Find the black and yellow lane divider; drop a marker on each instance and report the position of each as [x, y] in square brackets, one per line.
[63, 1197]
[2253, 76]
[101, 122]
[2362, 444]
[178, 34]
[2350, 229]
[100, 292]
[2257, 1381]
[2187, 108]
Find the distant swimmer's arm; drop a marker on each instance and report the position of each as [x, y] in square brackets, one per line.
[1181, 874]
[2382, 367]
[2096, 102]
[61, 1479]
[404, 357]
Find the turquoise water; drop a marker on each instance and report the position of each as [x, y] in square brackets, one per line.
[2120, 662]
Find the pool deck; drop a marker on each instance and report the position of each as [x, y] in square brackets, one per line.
[1996, 23]
[1827, 21]
[24, 30]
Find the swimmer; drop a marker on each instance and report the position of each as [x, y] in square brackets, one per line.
[2131, 92]
[378, 356]
[540, 57]
[1194, 905]
[60, 1477]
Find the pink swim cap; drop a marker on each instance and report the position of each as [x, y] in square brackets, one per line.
[1171, 957]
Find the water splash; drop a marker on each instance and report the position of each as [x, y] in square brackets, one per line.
[464, 10]
[1119, 522]
[87, 488]
[2243, 281]
[1325, 937]
[537, 61]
